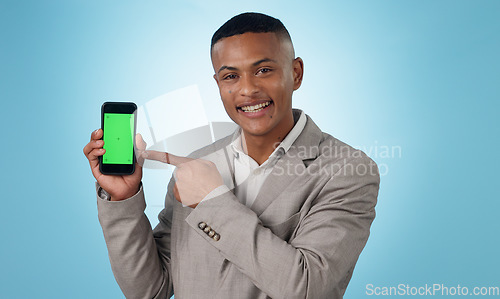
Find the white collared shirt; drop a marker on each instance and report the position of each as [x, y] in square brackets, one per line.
[249, 176]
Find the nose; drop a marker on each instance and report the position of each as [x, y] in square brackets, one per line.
[248, 86]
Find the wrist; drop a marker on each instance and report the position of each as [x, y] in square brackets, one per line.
[124, 196]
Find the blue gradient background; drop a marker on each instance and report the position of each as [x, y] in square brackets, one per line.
[421, 76]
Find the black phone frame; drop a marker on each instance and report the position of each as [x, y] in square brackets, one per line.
[124, 108]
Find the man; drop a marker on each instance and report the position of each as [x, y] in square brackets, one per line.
[279, 209]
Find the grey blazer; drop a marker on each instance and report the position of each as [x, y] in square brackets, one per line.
[301, 238]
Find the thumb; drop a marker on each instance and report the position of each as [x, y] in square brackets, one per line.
[139, 142]
[140, 146]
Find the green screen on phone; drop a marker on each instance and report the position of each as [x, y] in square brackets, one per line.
[118, 138]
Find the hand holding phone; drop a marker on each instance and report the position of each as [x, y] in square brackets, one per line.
[119, 178]
[118, 122]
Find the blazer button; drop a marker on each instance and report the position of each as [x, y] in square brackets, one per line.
[202, 225]
[207, 229]
[216, 237]
[211, 233]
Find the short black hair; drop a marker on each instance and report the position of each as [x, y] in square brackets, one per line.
[250, 22]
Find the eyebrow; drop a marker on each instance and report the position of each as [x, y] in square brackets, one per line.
[231, 68]
[225, 67]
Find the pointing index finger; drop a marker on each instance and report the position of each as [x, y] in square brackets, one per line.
[176, 160]
[165, 157]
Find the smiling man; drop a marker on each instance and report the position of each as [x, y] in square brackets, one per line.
[279, 209]
[257, 74]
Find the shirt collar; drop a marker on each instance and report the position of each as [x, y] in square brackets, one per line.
[295, 132]
[285, 144]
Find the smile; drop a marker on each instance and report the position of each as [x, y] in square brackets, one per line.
[255, 108]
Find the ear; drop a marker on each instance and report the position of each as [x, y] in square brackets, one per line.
[298, 72]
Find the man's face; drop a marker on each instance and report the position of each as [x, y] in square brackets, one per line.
[257, 74]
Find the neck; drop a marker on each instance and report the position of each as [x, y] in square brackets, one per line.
[260, 147]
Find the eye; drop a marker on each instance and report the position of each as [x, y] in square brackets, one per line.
[229, 77]
[264, 70]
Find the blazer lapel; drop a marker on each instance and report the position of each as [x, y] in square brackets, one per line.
[225, 164]
[281, 176]
[289, 167]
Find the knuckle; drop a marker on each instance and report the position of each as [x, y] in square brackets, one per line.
[87, 149]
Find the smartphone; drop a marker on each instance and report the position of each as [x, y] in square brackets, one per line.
[118, 122]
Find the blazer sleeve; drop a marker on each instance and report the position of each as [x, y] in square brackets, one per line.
[318, 260]
[140, 260]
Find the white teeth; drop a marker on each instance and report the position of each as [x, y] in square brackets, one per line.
[256, 108]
